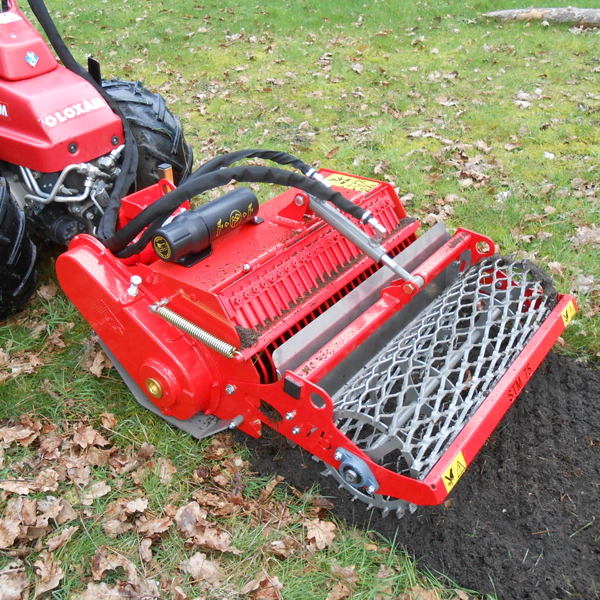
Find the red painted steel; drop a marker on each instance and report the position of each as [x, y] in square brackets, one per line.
[262, 284]
[36, 128]
[17, 38]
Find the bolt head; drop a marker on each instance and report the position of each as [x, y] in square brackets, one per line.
[230, 389]
[409, 288]
[115, 140]
[296, 430]
[338, 456]
[246, 268]
[299, 200]
[72, 147]
[154, 387]
[351, 476]
[371, 489]
[289, 416]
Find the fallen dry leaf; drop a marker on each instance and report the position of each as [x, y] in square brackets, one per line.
[263, 587]
[586, 235]
[338, 592]
[418, 593]
[48, 291]
[104, 560]
[284, 547]
[154, 526]
[49, 572]
[108, 420]
[214, 539]
[9, 530]
[62, 538]
[16, 486]
[100, 363]
[166, 470]
[200, 568]
[145, 551]
[14, 583]
[347, 573]
[189, 518]
[96, 490]
[322, 532]
[87, 436]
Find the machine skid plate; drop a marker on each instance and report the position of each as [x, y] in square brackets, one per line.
[444, 362]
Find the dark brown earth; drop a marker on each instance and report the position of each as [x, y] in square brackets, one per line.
[524, 520]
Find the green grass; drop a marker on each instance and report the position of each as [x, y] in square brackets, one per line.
[283, 82]
[479, 64]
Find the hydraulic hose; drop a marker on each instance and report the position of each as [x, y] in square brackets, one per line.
[154, 215]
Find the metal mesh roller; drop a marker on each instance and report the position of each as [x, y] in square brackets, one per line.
[407, 405]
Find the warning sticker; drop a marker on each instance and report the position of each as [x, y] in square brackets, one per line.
[454, 471]
[9, 17]
[568, 313]
[352, 183]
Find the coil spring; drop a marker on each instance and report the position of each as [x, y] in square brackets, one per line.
[196, 332]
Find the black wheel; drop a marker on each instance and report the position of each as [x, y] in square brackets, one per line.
[157, 132]
[18, 276]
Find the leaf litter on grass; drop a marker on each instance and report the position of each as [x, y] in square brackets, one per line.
[66, 485]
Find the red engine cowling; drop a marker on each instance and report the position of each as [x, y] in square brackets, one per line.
[49, 117]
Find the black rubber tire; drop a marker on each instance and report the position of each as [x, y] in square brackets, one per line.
[157, 132]
[18, 275]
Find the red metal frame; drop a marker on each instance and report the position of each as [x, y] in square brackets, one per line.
[269, 266]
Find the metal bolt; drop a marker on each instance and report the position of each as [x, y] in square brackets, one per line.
[289, 416]
[89, 216]
[351, 476]
[338, 456]
[136, 280]
[299, 200]
[232, 425]
[230, 389]
[115, 140]
[72, 148]
[371, 489]
[296, 430]
[154, 387]
[498, 285]
[409, 288]
[246, 268]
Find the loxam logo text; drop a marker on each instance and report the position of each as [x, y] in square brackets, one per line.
[66, 114]
[3, 111]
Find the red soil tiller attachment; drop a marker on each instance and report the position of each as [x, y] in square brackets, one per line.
[389, 357]
[394, 382]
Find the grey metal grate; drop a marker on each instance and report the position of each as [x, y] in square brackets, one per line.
[408, 404]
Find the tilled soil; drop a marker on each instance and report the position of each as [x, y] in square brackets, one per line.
[524, 520]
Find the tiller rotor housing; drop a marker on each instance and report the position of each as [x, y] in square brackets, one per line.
[281, 320]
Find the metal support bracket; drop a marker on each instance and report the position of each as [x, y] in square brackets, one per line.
[355, 471]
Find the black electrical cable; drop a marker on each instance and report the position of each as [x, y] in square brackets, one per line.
[108, 224]
[154, 215]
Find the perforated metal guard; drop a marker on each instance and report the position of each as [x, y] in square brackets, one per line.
[408, 404]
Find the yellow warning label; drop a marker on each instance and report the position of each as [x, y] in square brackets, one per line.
[454, 471]
[352, 183]
[568, 313]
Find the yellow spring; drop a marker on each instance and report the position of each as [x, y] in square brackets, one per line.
[196, 332]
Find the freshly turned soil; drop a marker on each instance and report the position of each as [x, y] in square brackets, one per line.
[524, 520]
